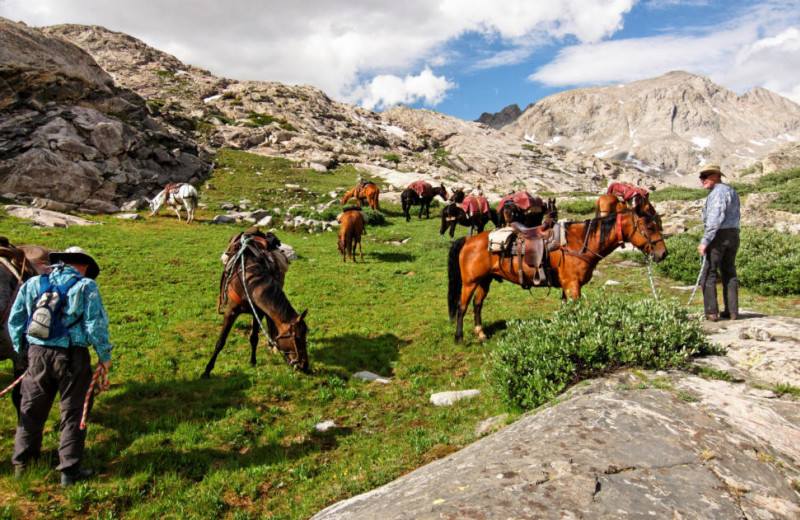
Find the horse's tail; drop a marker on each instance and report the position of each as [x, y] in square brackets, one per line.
[193, 199]
[454, 277]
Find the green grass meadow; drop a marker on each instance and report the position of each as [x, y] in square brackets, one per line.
[242, 444]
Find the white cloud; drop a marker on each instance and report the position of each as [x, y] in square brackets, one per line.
[385, 91]
[761, 47]
[340, 46]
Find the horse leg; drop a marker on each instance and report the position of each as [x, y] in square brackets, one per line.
[467, 289]
[254, 339]
[360, 253]
[477, 304]
[176, 209]
[227, 323]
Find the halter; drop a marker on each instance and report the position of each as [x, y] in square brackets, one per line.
[636, 229]
[243, 246]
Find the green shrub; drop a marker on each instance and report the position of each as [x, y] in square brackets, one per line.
[577, 206]
[678, 193]
[393, 157]
[768, 262]
[786, 184]
[537, 359]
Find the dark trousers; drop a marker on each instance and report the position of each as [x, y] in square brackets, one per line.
[721, 255]
[67, 371]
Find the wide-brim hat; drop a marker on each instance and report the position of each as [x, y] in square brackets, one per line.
[76, 255]
[710, 170]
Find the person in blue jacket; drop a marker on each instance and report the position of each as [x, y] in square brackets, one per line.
[59, 364]
[719, 244]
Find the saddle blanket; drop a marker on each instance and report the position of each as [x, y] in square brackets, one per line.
[626, 190]
[523, 200]
[473, 205]
[422, 188]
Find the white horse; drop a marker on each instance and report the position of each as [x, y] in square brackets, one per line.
[173, 196]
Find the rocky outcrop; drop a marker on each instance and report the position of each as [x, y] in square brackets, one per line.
[672, 123]
[69, 135]
[650, 445]
[301, 123]
[500, 119]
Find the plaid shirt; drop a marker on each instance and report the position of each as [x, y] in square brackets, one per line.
[720, 212]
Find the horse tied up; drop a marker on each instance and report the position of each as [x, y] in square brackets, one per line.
[252, 283]
[175, 195]
[568, 253]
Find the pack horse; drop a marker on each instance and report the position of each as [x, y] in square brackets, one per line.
[175, 195]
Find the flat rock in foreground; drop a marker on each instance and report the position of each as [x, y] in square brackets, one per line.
[656, 445]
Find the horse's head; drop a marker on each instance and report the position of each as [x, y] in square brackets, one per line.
[441, 191]
[551, 211]
[458, 196]
[645, 234]
[292, 343]
[155, 204]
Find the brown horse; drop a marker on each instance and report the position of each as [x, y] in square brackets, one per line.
[472, 267]
[454, 213]
[420, 193]
[17, 264]
[252, 283]
[350, 232]
[366, 191]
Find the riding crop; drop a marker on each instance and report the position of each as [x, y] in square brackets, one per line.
[100, 373]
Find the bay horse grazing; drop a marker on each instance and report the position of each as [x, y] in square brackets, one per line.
[522, 207]
[364, 191]
[17, 264]
[352, 227]
[472, 211]
[420, 193]
[252, 283]
[175, 195]
[623, 196]
[472, 267]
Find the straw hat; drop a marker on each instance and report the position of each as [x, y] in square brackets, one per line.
[710, 170]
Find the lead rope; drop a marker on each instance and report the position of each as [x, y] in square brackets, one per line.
[12, 385]
[247, 293]
[696, 285]
[650, 275]
[99, 373]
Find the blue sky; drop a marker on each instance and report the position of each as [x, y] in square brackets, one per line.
[459, 57]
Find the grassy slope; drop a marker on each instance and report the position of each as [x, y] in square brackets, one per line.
[243, 444]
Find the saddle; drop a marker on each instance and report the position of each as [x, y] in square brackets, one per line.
[531, 246]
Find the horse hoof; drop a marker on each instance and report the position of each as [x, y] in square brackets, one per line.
[205, 375]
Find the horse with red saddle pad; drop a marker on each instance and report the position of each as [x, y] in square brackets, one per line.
[420, 193]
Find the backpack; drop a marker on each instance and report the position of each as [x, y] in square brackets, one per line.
[45, 321]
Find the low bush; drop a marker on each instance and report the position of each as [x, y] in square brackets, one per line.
[537, 359]
[577, 207]
[678, 193]
[768, 262]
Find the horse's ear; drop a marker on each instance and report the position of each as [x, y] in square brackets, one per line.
[302, 315]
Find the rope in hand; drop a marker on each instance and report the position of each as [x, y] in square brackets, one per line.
[650, 274]
[702, 268]
[12, 385]
[103, 384]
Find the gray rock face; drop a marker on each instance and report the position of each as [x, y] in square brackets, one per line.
[671, 123]
[70, 135]
[500, 119]
[653, 445]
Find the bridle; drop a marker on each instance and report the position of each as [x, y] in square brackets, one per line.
[636, 229]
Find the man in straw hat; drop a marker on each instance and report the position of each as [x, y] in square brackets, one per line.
[719, 244]
[60, 363]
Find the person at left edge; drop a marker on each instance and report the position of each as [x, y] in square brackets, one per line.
[59, 365]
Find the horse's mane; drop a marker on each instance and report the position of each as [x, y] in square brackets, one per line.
[261, 274]
[606, 225]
